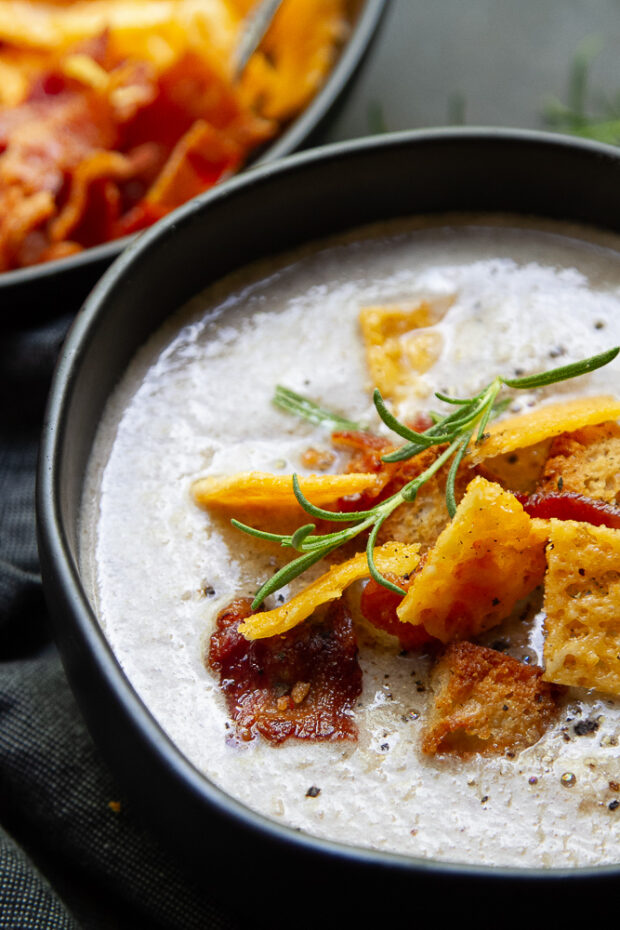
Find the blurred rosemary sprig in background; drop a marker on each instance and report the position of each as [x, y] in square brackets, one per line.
[591, 116]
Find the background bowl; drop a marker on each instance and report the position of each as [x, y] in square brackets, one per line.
[60, 286]
[265, 211]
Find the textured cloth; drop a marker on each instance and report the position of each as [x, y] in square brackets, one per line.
[72, 855]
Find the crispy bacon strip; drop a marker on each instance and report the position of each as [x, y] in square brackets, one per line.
[566, 505]
[303, 684]
[378, 605]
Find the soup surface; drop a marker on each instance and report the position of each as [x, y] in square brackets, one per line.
[196, 401]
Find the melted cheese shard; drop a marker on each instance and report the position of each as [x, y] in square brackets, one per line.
[395, 558]
[487, 558]
[486, 702]
[582, 604]
[247, 490]
[543, 422]
[401, 344]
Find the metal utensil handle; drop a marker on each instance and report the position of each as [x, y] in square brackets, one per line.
[254, 31]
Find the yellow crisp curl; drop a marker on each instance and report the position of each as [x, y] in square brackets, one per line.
[250, 489]
[544, 422]
[393, 557]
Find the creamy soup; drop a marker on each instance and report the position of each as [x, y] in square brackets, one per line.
[196, 401]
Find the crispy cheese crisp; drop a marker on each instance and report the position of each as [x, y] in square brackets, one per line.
[487, 558]
[582, 604]
[486, 702]
[395, 558]
[401, 344]
[543, 422]
[250, 489]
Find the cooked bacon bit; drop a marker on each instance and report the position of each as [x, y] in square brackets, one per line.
[303, 684]
[421, 422]
[565, 505]
[317, 458]
[392, 476]
[378, 605]
[487, 702]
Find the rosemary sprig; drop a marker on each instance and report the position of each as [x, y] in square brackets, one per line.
[455, 432]
[590, 116]
[295, 403]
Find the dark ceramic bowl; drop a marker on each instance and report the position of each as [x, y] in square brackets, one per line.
[264, 212]
[60, 286]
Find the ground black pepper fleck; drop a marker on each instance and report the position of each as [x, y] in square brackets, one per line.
[613, 805]
[586, 727]
[313, 792]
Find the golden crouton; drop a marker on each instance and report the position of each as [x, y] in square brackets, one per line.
[586, 462]
[520, 470]
[486, 702]
[582, 604]
[543, 422]
[487, 558]
[424, 519]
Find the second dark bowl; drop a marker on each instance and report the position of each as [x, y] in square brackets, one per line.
[58, 287]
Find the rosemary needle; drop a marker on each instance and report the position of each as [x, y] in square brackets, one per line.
[454, 432]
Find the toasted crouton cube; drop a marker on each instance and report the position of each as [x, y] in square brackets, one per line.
[486, 702]
[519, 471]
[586, 462]
[582, 604]
[424, 519]
[487, 558]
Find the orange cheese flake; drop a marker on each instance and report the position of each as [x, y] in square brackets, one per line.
[486, 559]
[397, 558]
[250, 489]
[401, 344]
[582, 604]
[546, 421]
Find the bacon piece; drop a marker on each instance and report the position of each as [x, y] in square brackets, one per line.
[303, 684]
[378, 605]
[391, 476]
[566, 505]
[201, 158]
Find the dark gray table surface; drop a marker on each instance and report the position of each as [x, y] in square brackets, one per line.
[498, 60]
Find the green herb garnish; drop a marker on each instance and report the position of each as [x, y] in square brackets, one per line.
[457, 430]
[291, 402]
[596, 118]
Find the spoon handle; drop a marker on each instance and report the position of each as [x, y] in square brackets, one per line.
[257, 25]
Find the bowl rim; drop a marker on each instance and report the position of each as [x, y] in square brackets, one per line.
[351, 56]
[54, 541]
